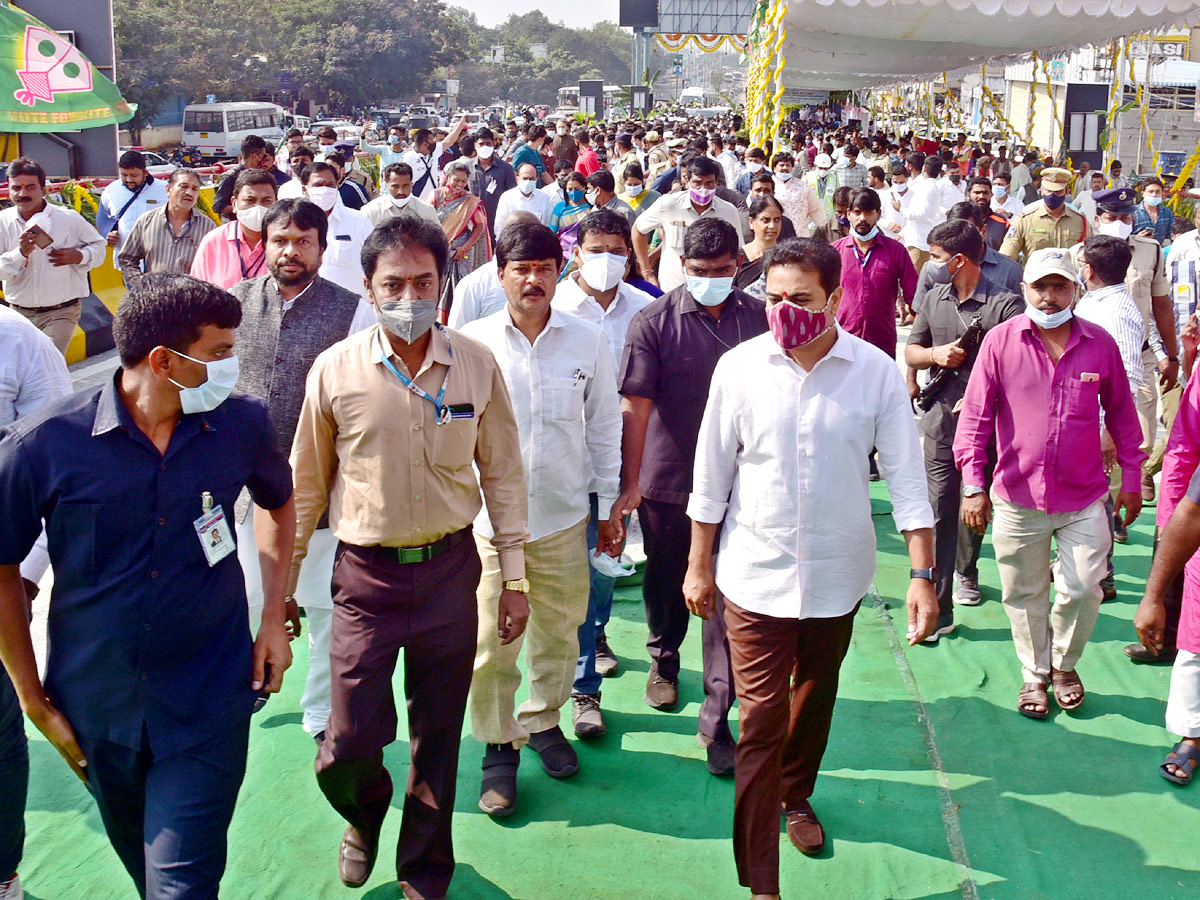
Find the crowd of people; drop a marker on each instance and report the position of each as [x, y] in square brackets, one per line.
[425, 410]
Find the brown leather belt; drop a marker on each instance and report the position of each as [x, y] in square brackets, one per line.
[44, 309]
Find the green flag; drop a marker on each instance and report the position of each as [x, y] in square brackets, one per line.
[46, 84]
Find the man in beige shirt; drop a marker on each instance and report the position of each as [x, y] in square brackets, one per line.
[393, 418]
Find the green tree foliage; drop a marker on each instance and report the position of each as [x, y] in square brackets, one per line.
[602, 51]
[349, 52]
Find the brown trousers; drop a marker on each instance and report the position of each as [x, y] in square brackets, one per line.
[785, 675]
[379, 606]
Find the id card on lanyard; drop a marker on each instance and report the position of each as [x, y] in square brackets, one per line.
[444, 412]
[248, 273]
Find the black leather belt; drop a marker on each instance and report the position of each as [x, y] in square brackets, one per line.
[424, 553]
[45, 309]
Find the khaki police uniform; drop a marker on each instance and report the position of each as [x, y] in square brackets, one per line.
[1039, 230]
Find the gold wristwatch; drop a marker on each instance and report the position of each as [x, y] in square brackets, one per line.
[521, 585]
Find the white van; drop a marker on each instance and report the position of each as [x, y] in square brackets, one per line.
[217, 129]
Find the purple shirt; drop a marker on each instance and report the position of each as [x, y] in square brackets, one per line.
[1179, 468]
[670, 352]
[1046, 417]
[869, 289]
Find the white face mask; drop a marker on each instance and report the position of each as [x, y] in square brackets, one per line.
[252, 219]
[754, 167]
[485, 151]
[633, 188]
[401, 202]
[525, 185]
[591, 198]
[784, 176]
[222, 376]
[1117, 229]
[602, 271]
[323, 195]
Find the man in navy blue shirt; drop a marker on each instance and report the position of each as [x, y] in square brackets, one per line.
[152, 672]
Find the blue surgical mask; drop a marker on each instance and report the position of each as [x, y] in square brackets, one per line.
[1048, 320]
[1152, 201]
[576, 195]
[869, 236]
[222, 376]
[709, 291]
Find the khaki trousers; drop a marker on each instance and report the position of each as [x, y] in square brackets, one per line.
[1147, 404]
[1170, 409]
[58, 324]
[559, 581]
[918, 257]
[1050, 634]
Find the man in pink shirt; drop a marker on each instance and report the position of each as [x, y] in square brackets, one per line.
[235, 252]
[1038, 386]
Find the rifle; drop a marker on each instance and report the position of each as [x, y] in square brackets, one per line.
[969, 341]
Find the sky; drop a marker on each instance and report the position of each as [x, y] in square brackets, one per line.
[491, 13]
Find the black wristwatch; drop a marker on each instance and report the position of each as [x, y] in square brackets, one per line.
[928, 574]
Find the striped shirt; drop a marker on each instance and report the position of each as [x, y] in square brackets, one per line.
[1113, 309]
[152, 246]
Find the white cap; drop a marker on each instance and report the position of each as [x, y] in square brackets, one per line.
[823, 161]
[1049, 261]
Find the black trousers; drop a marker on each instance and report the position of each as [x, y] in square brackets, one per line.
[14, 778]
[955, 547]
[429, 609]
[168, 817]
[667, 536]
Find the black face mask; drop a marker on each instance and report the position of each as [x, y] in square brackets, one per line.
[1054, 201]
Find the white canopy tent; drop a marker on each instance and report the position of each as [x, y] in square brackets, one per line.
[855, 44]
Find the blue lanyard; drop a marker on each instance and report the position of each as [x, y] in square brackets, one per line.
[443, 411]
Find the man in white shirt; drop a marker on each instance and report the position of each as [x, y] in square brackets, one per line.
[398, 200]
[123, 201]
[559, 374]
[673, 213]
[301, 157]
[1085, 200]
[46, 252]
[424, 156]
[895, 203]
[1003, 201]
[525, 196]
[1109, 303]
[797, 548]
[348, 229]
[33, 373]
[480, 294]
[924, 211]
[597, 292]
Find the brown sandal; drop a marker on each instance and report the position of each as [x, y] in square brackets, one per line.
[1033, 694]
[1066, 683]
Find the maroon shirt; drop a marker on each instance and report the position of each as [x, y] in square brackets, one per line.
[670, 352]
[870, 286]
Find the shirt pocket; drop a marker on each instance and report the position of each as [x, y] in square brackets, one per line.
[673, 234]
[93, 537]
[564, 396]
[454, 444]
[341, 253]
[685, 378]
[1083, 401]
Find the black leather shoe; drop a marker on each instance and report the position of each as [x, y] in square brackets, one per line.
[558, 756]
[720, 754]
[356, 858]
[1139, 654]
[498, 792]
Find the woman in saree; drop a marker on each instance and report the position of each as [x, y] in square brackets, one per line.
[464, 221]
[569, 213]
[766, 217]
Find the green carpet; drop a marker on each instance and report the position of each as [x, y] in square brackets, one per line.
[933, 786]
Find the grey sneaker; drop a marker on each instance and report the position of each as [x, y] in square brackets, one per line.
[966, 590]
[588, 721]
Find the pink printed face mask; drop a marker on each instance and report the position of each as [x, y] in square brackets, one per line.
[793, 326]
